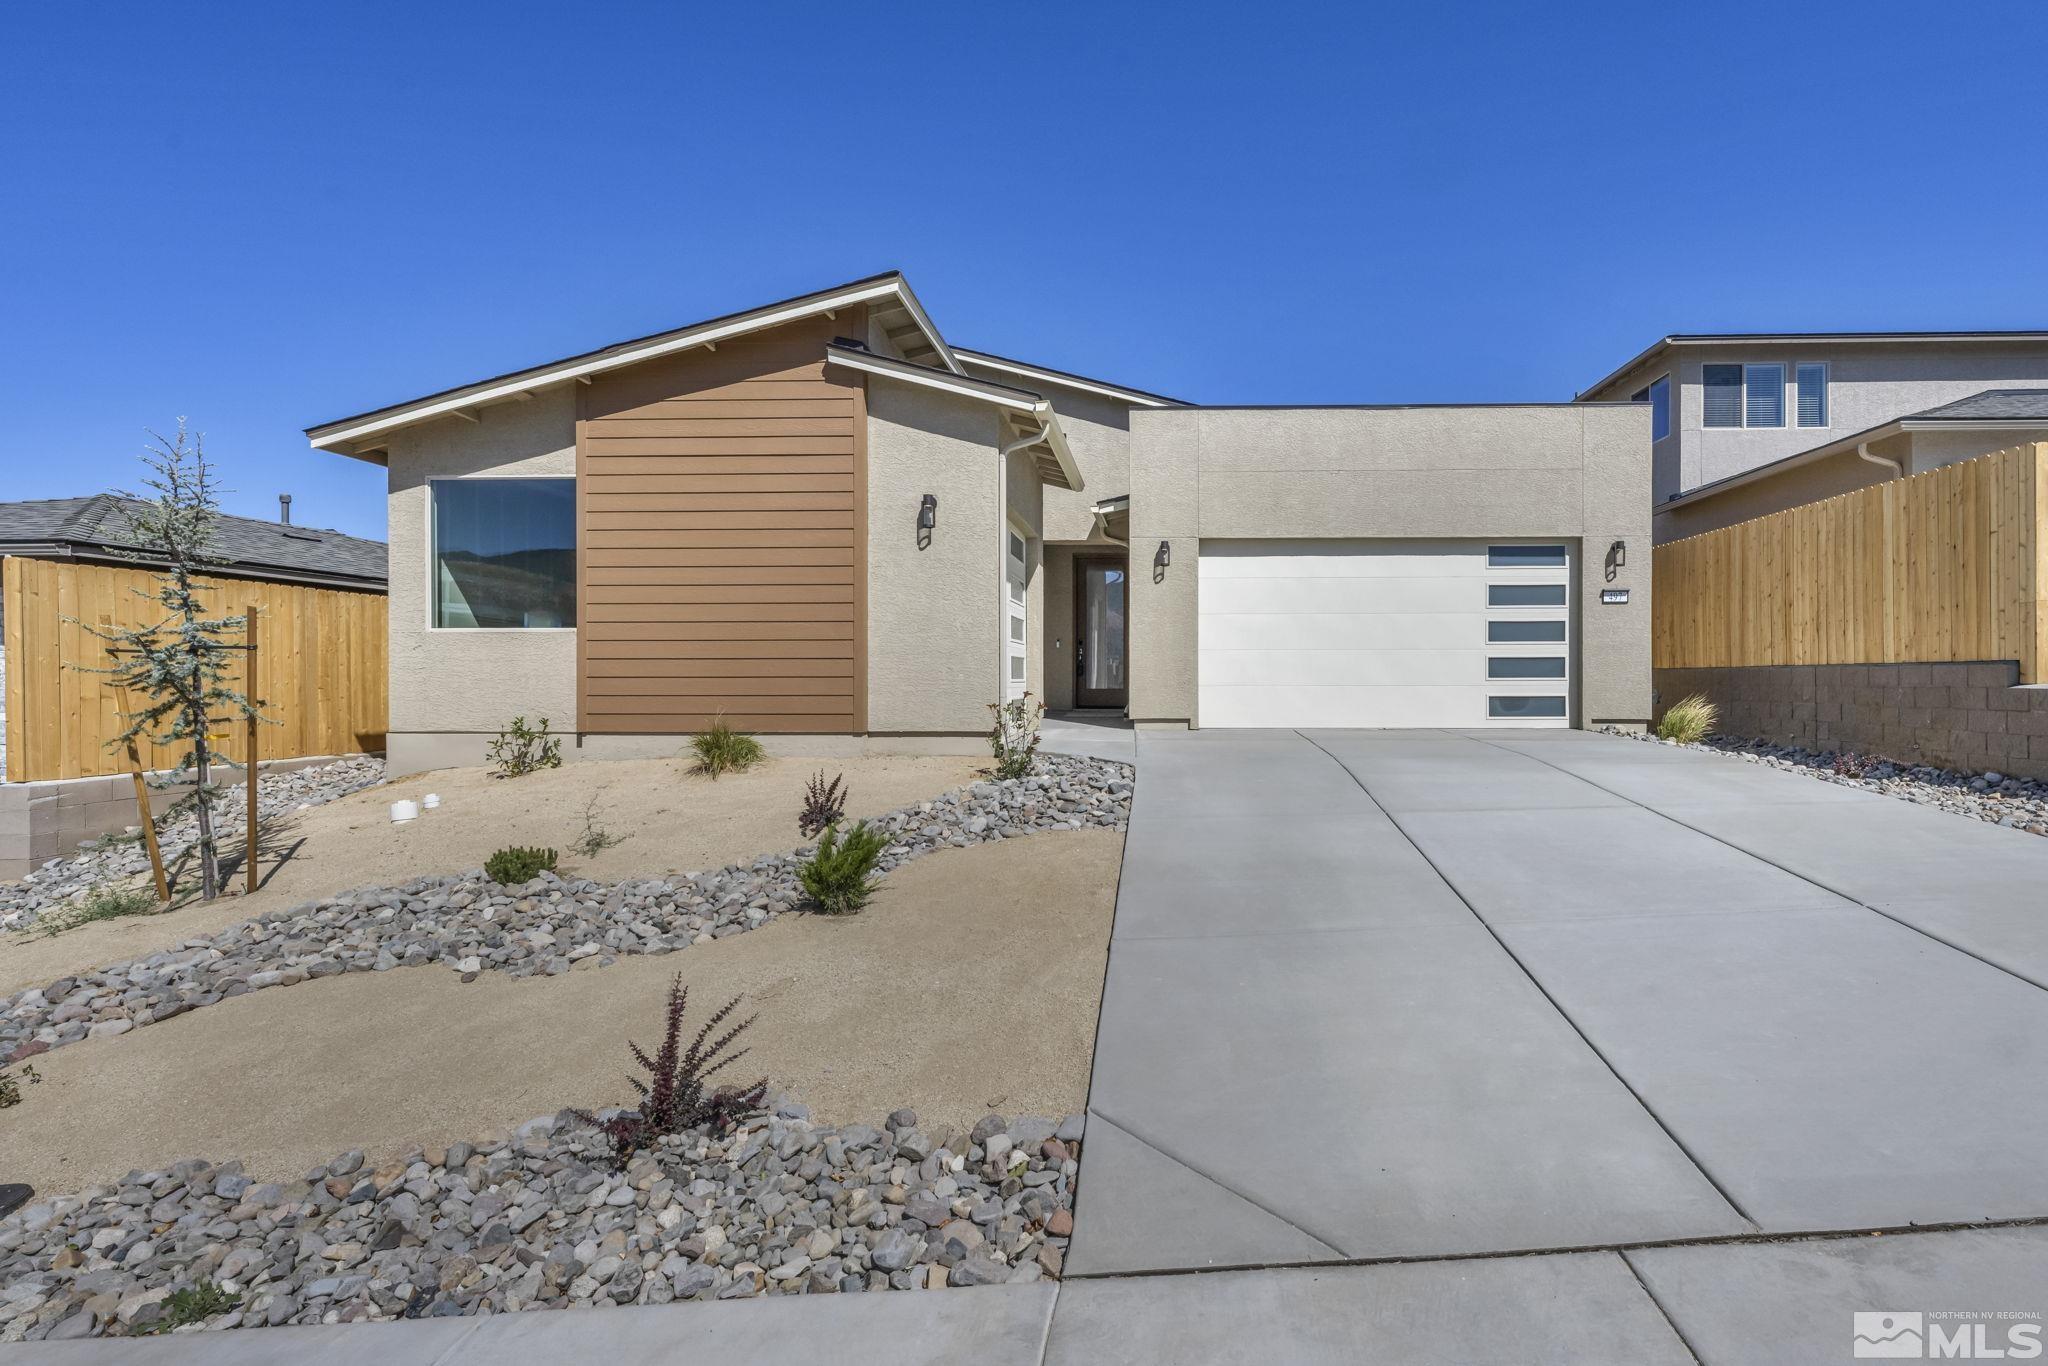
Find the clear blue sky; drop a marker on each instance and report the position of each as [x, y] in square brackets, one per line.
[264, 216]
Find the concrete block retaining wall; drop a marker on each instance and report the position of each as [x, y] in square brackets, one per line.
[46, 820]
[1967, 716]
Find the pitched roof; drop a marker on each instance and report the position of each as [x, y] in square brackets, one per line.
[1796, 338]
[889, 291]
[97, 527]
[2020, 405]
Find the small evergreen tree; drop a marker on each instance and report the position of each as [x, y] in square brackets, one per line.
[182, 662]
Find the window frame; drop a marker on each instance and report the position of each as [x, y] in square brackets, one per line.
[1782, 370]
[1657, 393]
[1741, 396]
[1827, 407]
[432, 541]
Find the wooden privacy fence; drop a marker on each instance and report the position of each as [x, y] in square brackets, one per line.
[1938, 567]
[321, 676]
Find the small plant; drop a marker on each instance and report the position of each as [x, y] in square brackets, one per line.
[510, 867]
[1014, 737]
[10, 1085]
[721, 749]
[196, 1304]
[104, 902]
[520, 749]
[1688, 721]
[824, 804]
[840, 875]
[595, 839]
[676, 1097]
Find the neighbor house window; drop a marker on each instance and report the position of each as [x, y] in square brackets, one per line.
[1813, 395]
[1658, 395]
[1743, 396]
[504, 552]
[1721, 403]
[1763, 395]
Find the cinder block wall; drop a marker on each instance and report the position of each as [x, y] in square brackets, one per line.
[1969, 716]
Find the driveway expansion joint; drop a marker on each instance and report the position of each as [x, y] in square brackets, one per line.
[1565, 1015]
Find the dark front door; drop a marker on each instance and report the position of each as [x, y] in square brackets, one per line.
[1100, 602]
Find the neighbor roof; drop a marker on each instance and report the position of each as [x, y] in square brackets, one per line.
[1795, 338]
[97, 527]
[918, 338]
[2020, 409]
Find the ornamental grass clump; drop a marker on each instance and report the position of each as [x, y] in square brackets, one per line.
[840, 876]
[721, 749]
[824, 804]
[677, 1094]
[513, 866]
[1688, 721]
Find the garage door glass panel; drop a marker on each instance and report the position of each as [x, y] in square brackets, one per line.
[1525, 595]
[1525, 556]
[1525, 666]
[1516, 632]
[1525, 707]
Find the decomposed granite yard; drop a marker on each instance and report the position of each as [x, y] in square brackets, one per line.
[330, 1112]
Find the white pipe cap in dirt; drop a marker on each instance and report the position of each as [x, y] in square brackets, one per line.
[404, 811]
[431, 800]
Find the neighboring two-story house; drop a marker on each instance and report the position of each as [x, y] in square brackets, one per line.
[1748, 424]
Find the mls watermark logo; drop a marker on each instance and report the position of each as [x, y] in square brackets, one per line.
[1947, 1335]
[1889, 1333]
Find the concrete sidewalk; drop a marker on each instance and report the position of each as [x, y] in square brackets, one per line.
[1741, 1304]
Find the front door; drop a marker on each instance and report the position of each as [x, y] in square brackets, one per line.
[1100, 602]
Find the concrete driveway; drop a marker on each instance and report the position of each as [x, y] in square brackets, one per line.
[1379, 995]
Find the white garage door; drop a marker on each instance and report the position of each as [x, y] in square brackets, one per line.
[1385, 633]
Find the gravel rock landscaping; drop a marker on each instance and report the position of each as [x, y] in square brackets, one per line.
[2017, 803]
[540, 1220]
[549, 925]
[117, 858]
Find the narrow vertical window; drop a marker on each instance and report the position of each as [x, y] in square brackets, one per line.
[1721, 404]
[1813, 395]
[1763, 395]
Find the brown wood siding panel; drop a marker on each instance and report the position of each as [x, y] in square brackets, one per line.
[721, 554]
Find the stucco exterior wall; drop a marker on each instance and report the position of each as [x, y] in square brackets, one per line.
[933, 614]
[1869, 384]
[453, 689]
[1572, 472]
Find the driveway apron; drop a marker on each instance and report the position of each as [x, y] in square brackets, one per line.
[1407, 994]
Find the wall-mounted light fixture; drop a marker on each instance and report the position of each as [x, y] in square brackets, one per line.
[1161, 558]
[927, 518]
[1617, 556]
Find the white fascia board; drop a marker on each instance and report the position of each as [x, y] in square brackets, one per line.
[683, 341]
[916, 310]
[965, 386]
[1066, 381]
[1974, 424]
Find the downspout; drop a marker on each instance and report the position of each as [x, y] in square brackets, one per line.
[1863, 451]
[1003, 454]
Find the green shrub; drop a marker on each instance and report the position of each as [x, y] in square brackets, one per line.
[1688, 721]
[721, 749]
[840, 875]
[104, 902]
[520, 749]
[1014, 737]
[196, 1304]
[510, 867]
[10, 1085]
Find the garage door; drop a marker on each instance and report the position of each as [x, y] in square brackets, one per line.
[1385, 633]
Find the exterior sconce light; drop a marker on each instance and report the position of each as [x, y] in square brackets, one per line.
[1617, 556]
[927, 518]
[1160, 559]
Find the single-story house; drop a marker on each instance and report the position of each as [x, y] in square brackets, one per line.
[824, 522]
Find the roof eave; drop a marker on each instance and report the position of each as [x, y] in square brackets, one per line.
[335, 436]
[1011, 400]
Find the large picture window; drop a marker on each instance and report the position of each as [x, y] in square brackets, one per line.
[504, 552]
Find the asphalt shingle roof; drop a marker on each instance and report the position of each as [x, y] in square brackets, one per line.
[2023, 405]
[100, 522]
